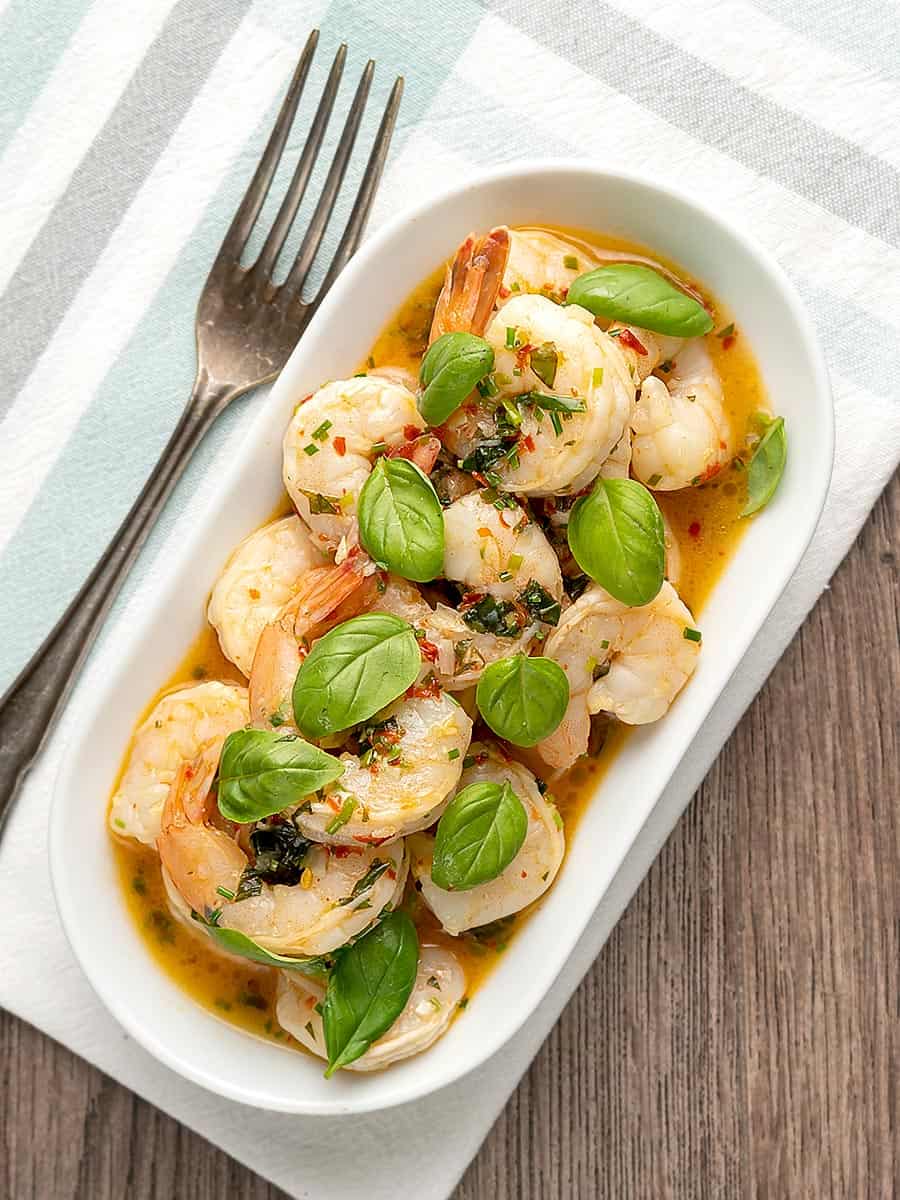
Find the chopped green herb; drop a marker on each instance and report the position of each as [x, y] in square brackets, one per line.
[453, 754]
[540, 605]
[139, 884]
[309, 1029]
[570, 262]
[693, 635]
[225, 893]
[311, 449]
[321, 434]
[597, 376]
[544, 361]
[510, 337]
[347, 810]
[726, 332]
[556, 422]
[367, 881]
[653, 480]
[322, 505]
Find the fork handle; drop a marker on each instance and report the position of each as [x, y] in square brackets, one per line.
[30, 706]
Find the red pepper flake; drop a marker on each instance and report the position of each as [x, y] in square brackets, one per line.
[522, 353]
[483, 531]
[332, 803]
[391, 873]
[371, 840]
[729, 341]
[429, 651]
[694, 529]
[411, 432]
[308, 396]
[189, 772]
[627, 338]
[429, 690]
[422, 451]
[340, 445]
[527, 443]
[344, 851]
[710, 473]
[564, 292]
[504, 293]
[254, 593]
[524, 874]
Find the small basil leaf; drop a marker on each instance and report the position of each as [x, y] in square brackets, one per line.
[523, 699]
[544, 360]
[453, 365]
[261, 772]
[353, 672]
[640, 296]
[401, 522]
[239, 943]
[368, 989]
[617, 536]
[766, 467]
[480, 833]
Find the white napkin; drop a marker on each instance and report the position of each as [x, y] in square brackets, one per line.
[744, 67]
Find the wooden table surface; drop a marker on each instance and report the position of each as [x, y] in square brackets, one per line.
[738, 1036]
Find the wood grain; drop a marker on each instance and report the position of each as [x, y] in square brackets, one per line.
[738, 1037]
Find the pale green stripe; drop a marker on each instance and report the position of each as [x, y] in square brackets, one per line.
[33, 36]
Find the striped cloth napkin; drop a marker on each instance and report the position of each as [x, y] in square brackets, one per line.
[127, 133]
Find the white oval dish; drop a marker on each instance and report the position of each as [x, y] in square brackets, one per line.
[160, 1016]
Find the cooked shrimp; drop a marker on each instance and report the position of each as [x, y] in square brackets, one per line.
[440, 985]
[455, 651]
[630, 662]
[543, 262]
[259, 578]
[472, 282]
[590, 368]
[529, 874]
[682, 434]
[328, 449]
[411, 763]
[325, 597]
[179, 727]
[339, 893]
[497, 551]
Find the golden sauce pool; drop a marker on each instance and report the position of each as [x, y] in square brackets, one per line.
[707, 526]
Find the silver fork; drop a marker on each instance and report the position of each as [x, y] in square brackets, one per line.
[246, 327]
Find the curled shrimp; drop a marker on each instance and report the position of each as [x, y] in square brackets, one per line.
[630, 662]
[330, 445]
[540, 261]
[562, 454]
[682, 435]
[325, 597]
[259, 578]
[529, 874]
[182, 724]
[439, 986]
[340, 892]
[411, 763]
[497, 550]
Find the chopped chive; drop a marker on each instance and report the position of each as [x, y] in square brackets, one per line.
[515, 561]
[311, 449]
[653, 480]
[570, 262]
[556, 422]
[604, 645]
[597, 376]
[505, 576]
[453, 755]
[347, 810]
[693, 635]
[321, 433]
[225, 893]
[379, 447]
[514, 286]
[469, 761]
[510, 337]
[726, 332]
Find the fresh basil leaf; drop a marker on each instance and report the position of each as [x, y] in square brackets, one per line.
[401, 522]
[616, 535]
[368, 989]
[523, 699]
[354, 671]
[453, 365]
[766, 467]
[544, 360]
[480, 833]
[638, 295]
[246, 947]
[262, 771]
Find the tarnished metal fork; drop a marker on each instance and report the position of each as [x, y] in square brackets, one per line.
[247, 325]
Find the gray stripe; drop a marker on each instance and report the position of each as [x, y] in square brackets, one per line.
[867, 34]
[32, 38]
[107, 179]
[626, 55]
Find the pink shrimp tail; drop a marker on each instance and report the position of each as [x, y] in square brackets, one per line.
[329, 595]
[422, 451]
[471, 284]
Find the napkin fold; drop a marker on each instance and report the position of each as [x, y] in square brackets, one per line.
[121, 160]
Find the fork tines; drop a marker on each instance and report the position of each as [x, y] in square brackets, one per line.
[260, 273]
